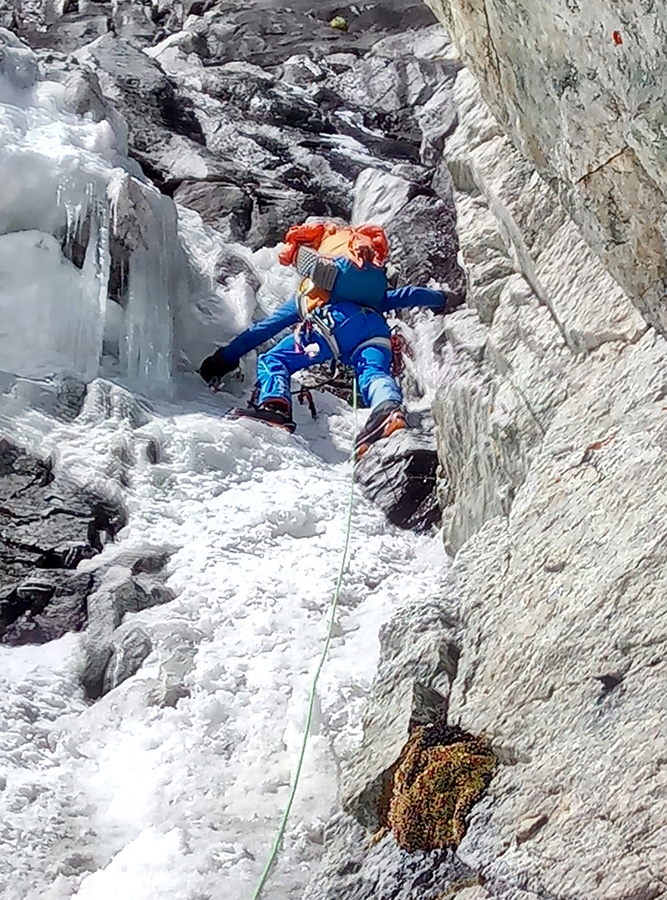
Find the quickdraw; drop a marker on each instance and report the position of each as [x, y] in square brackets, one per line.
[400, 348]
[305, 396]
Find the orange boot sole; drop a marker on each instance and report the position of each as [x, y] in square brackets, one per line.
[396, 423]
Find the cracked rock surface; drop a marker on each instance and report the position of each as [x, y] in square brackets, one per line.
[579, 87]
[552, 435]
[46, 529]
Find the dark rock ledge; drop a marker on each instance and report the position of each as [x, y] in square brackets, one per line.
[47, 527]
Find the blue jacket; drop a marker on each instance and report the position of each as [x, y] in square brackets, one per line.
[353, 324]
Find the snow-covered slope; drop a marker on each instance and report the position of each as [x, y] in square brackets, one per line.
[142, 795]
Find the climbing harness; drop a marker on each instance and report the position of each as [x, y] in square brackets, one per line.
[335, 379]
[318, 322]
[311, 701]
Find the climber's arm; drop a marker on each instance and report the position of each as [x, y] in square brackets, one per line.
[284, 317]
[226, 359]
[405, 297]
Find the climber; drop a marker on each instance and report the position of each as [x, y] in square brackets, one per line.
[339, 313]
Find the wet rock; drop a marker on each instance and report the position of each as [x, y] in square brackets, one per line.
[225, 207]
[46, 528]
[399, 475]
[150, 564]
[274, 210]
[353, 867]
[389, 92]
[163, 131]
[197, 7]
[59, 396]
[72, 31]
[83, 93]
[235, 31]
[44, 522]
[250, 93]
[425, 243]
[129, 650]
[44, 607]
[302, 71]
[117, 594]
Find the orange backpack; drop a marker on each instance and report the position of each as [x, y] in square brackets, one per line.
[359, 254]
[363, 243]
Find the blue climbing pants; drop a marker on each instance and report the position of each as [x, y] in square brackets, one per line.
[372, 365]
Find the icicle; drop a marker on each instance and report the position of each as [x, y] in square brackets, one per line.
[85, 324]
[146, 351]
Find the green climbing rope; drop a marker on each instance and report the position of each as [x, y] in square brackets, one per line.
[311, 701]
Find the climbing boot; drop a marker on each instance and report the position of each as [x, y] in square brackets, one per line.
[273, 412]
[383, 421]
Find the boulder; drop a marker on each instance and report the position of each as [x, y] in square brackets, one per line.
[115, 647]
[128, 652]
[353, 867]
[225, 207]
[391, 92]
[44, 607]
[46, 528]
[399, 475]
[164, 133]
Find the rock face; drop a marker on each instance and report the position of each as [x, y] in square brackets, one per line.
[46, 529]
[551, 435]
[544, 319]
[418, 664]
[353, 869]
[579, 88]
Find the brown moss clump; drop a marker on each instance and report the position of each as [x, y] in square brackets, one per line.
[442, 773]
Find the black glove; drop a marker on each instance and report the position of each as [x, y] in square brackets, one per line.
[216, 366]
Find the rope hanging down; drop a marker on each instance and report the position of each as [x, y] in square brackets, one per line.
[311, 701]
